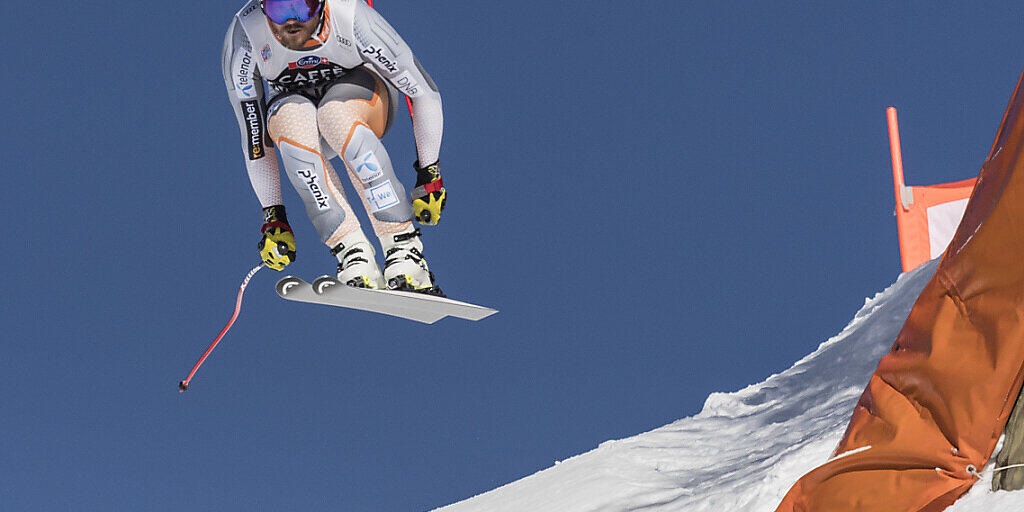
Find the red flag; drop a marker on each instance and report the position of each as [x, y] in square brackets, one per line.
[926, 216]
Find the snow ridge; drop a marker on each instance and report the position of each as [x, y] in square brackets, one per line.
[744, 450]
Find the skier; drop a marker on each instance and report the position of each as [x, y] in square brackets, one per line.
[336, 72]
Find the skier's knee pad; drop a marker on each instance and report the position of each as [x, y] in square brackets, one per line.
[307, 171]
[369, 161]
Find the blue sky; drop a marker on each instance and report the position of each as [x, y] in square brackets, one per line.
[664, 199]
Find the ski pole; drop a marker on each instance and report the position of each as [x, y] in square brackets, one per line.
[183, 385]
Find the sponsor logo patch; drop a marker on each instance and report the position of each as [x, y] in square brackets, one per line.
[408, 85]
[266, 53]
[310, 177]
[385, 62]
[254, 121]
[244, 86]
[382, 196]
[249, 10]
[368, 167]
[297, 76]
[309, 62]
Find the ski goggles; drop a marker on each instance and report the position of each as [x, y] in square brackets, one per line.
[280, 11]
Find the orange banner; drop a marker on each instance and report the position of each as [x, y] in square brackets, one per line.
[937, 403]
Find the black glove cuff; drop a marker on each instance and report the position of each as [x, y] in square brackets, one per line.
[275, 213]
[427, 174]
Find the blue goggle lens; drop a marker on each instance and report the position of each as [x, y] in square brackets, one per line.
[280, 11]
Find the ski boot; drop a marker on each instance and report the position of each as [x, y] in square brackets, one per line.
[356, 266]
[404, 266]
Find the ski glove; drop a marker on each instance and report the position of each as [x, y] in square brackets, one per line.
[428, 197]
[277, 247]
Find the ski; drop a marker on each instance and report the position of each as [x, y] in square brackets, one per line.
[418, 307]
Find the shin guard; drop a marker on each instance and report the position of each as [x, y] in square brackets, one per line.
[307, 171]
[371, 171]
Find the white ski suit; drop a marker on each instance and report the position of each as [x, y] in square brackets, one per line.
[336, 98]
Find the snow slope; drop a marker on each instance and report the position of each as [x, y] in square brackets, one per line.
[744, 450]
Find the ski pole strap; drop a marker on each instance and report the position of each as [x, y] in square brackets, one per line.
[183, 385]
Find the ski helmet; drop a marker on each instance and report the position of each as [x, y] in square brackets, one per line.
[280, 11]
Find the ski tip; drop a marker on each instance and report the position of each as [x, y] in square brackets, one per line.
[323, 283]
[285, 285]
[182, 387]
